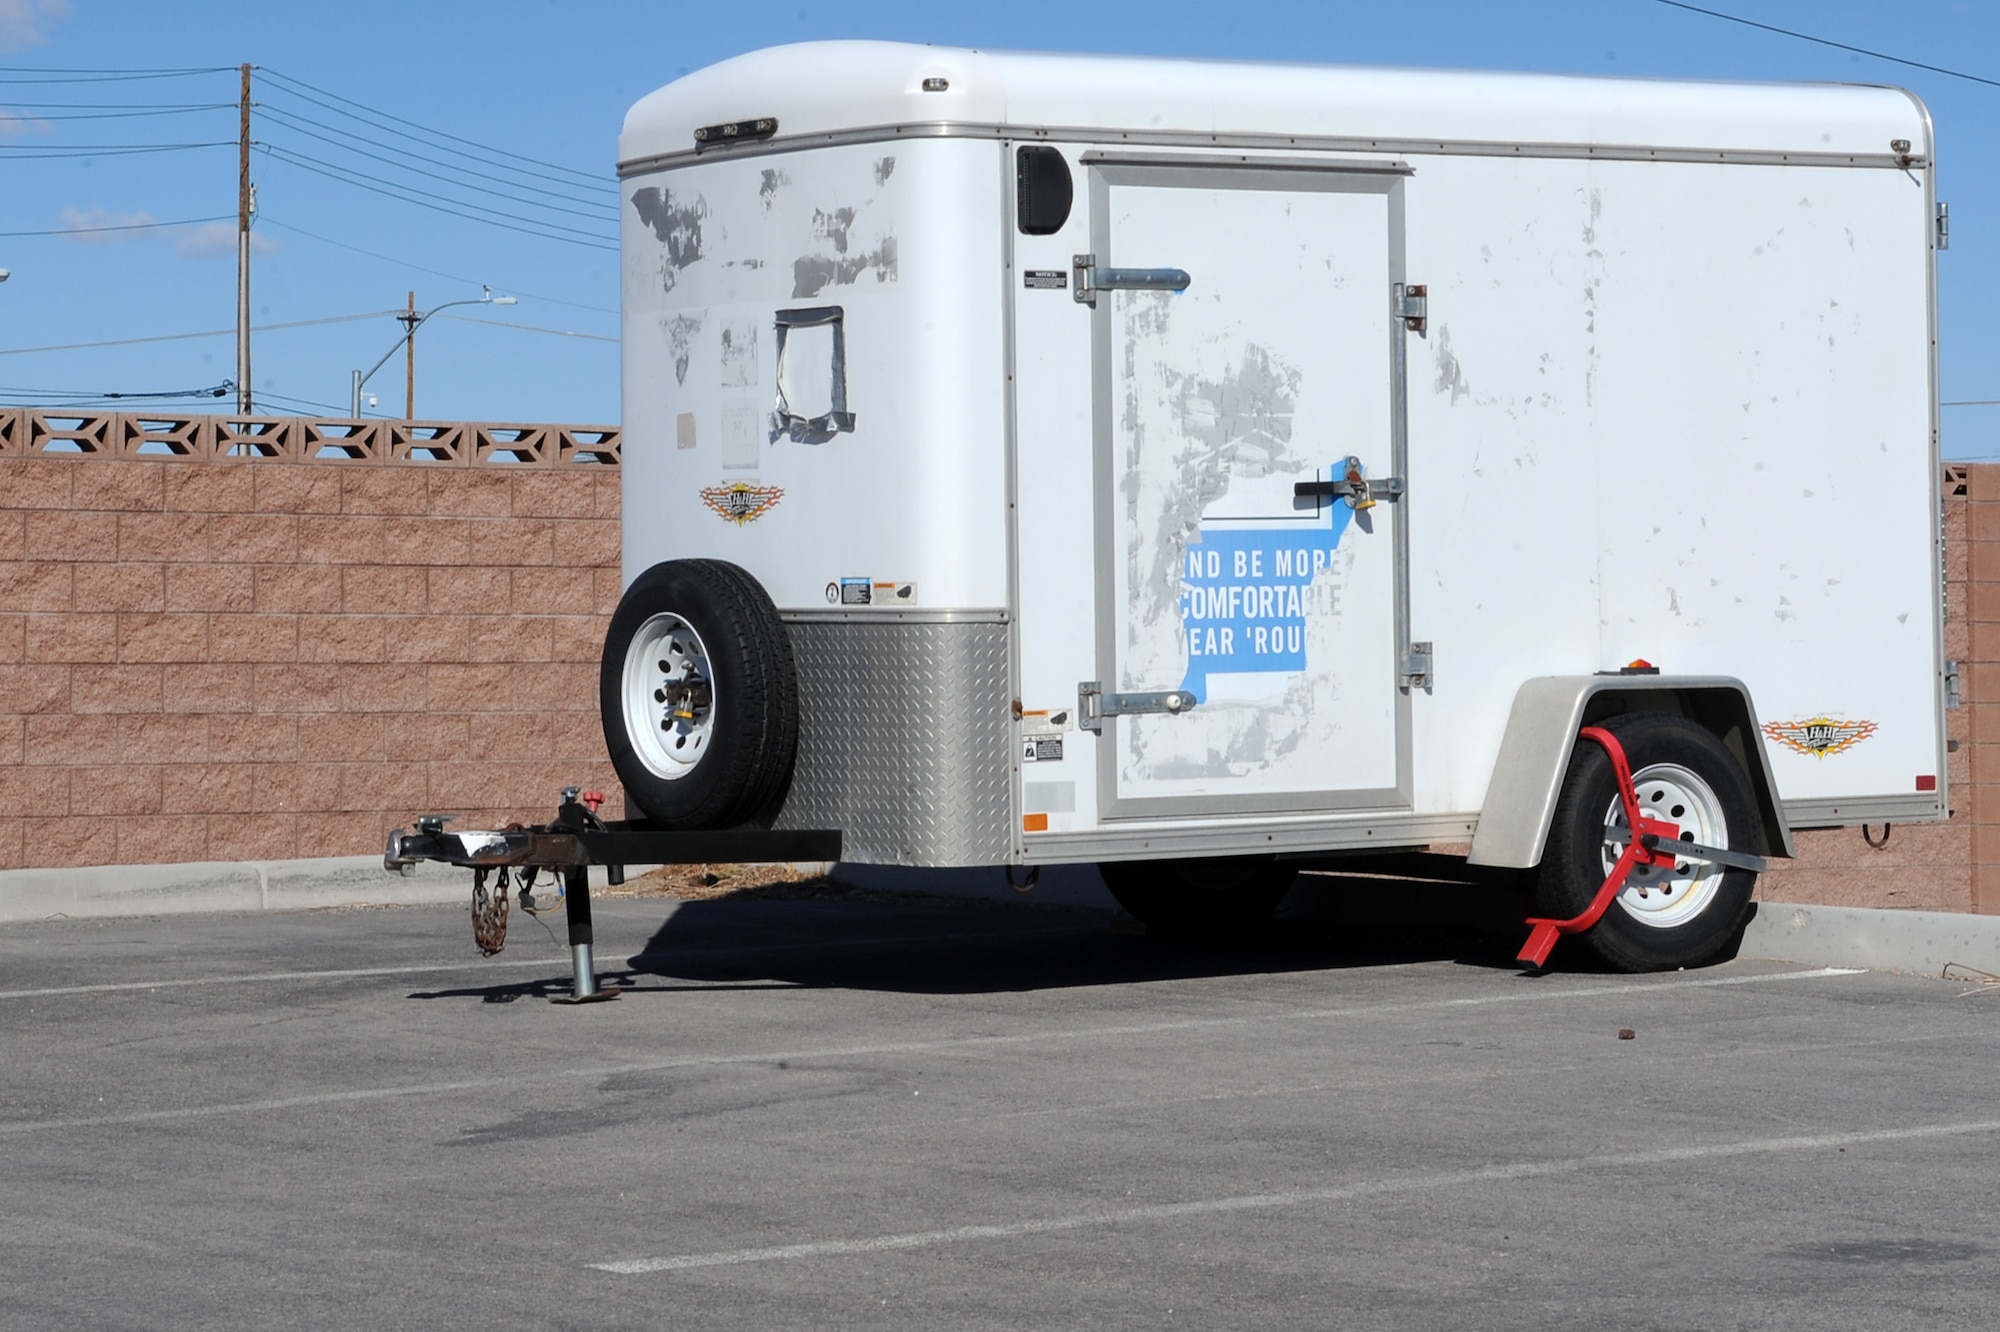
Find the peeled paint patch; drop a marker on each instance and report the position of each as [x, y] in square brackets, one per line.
[767, 191]
[814, 273]
[739, 352]
[677, 225]
[1450, 379]
[680, 337]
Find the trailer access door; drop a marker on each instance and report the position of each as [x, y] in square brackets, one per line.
[1277, 615]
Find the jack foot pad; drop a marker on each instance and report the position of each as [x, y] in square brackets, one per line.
[594, 997]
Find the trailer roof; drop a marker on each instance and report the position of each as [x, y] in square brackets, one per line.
[822, 88]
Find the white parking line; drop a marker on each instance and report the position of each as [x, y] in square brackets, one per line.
[1524, 994]
[1492, 1174]
[556, 965]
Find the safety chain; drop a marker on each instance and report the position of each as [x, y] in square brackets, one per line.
[489, 909]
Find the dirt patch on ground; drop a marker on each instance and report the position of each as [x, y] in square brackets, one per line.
[709, 883]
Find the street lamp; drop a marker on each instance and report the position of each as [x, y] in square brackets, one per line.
[4, 275]
[413, 323]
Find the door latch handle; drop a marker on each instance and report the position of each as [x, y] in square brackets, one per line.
[1090, 279]
[1093, 705]
[1359, 491]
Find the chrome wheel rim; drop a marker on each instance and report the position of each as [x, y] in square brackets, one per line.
[1661, 896]
[670, 697]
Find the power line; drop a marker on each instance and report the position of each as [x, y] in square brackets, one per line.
[374, 117]
[120, 106]
[519, 174]
[122, 226]
[577, 236]
[213, 391]
[206, 333]
[1838, 46]
[8, 74]
[40, 117]
[33, 152]
[330, 409]
[1973, 402]
[520, 180]
[270, 221]
[602, 214]
[527, 328]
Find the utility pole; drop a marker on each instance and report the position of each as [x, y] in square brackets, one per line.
[244, 199]
[410, 321]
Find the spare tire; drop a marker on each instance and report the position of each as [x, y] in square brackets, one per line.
[699, 697]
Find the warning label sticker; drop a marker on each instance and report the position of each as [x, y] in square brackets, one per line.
[1045, 279]
[1041, 748]
[868, 592]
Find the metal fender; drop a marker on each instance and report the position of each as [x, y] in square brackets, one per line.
[1541, 731]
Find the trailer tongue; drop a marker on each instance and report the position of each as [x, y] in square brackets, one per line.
[568, 846]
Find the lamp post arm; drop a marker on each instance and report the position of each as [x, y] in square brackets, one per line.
[361, 379]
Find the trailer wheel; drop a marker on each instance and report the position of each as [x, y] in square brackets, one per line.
[699, 696]
[1664, 918]
[1176, 895]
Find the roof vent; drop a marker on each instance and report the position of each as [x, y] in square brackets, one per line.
[935, 84]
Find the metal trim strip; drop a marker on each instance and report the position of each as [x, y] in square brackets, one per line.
[1146, 843]
[1393, 167]
[1323, 143]
[918, 616]
[1837, 813]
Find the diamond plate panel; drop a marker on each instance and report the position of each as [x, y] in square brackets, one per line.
[904, 741]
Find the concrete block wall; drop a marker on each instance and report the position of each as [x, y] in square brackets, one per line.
[263, 658]
[211, 659]
[1932, 867]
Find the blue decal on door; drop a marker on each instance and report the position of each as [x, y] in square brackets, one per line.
[1246, 593]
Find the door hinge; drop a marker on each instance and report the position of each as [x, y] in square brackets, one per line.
[1413, 307]
[1416, 669]
[1943, 225]
[1093, 705]
[1952, 697]
[1090, 279]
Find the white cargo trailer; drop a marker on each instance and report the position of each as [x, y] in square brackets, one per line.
[1197, 467]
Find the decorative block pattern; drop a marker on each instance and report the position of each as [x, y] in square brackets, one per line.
[288, 651]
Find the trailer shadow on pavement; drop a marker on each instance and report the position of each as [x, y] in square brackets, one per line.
[931, 945]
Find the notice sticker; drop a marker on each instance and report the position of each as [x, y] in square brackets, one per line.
[1045, 279]
[1048, 719]
[868, 592]
[1041, 748]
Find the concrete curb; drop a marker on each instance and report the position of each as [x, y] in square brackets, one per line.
[1921, 942]
[273, 885]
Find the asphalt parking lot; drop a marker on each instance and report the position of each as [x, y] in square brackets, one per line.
[817, 1113]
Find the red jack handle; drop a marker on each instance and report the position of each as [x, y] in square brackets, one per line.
[1543, 933]
[592, 799]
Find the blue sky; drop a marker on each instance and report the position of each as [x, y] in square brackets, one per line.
[550, 82]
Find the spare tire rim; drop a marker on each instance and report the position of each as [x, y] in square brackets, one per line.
[1657, 895]
[670, 697]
